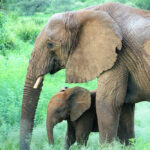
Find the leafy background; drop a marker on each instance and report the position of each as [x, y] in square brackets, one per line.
[20, 23]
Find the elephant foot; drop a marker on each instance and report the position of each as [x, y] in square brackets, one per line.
[126, 124]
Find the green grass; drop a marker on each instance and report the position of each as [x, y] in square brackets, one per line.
[13, 68]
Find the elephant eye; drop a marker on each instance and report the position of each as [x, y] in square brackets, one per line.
[50, 45]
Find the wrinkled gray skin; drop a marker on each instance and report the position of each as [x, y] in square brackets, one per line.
[109, 42]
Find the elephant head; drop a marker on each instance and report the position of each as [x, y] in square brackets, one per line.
[66, 104]
[83, 42]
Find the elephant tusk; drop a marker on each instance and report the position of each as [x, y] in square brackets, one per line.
[38, 81]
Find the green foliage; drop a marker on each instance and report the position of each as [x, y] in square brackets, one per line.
[2, 4]
[40, 140]
[6, 43]
[144, 4]
[61, 5]
[27, 7]
[32, 5]
[29, 30]
[11, 85]
[15, 29]
[2, 33]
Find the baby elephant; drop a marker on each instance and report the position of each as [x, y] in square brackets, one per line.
[77, 106]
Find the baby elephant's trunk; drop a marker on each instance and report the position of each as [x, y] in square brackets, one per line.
[50, 126]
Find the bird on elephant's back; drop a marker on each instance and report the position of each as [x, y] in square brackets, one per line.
[109, 42]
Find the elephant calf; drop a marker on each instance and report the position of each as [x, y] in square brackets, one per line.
[77, 106]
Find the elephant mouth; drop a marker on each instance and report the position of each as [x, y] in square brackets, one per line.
[55, 66]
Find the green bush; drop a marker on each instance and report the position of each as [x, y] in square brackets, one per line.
[61, 5]
[144, 4]
[12, 74]
[6, 42]
[28, 30]
[3, 33]
[38, 21]
[29, 7]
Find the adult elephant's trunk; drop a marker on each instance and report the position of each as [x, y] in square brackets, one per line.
[41, 63]
[38, 66]
[29, 104]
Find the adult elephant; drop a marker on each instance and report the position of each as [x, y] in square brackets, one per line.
[109, 42]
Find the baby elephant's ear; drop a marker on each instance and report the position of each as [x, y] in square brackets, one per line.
[80, 99]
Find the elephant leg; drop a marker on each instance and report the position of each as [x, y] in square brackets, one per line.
[126, 123]
[107, 121]
[82, 138]
[70, 135]
[111, 91]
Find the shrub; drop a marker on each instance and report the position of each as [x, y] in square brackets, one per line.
[144, 4]
[29, 7]
[61, 5]
[38, 21]
[3, 34]
[6, 42]
[28, 30]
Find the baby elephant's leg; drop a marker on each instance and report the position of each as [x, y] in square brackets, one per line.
[70, 135]
[82, 138]
[84, 126]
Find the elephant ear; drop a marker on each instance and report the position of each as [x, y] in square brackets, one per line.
[98, 38]
[80, 100]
